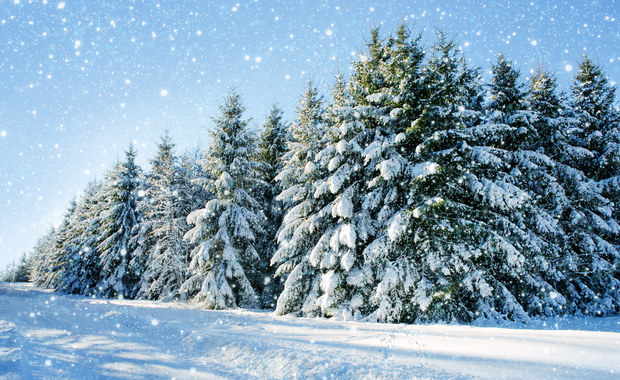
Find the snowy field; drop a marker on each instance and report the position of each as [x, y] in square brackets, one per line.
[50, 335]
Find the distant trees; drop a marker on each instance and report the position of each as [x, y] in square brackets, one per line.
[416, 193]
[18, 271]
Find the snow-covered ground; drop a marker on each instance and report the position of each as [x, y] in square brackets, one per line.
[50, 335]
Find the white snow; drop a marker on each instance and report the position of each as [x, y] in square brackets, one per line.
[348, 236]
[49, 335]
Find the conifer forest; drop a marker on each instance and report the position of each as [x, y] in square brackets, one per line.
[417, 190]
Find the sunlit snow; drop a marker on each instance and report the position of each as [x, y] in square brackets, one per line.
[79, 337]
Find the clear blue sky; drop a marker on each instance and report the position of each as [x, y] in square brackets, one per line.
[80, 79]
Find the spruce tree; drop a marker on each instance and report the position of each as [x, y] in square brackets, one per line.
[357, 193]
[465, 247]
[83, 268]
[54, 263]
[41, 251]
[302, 218]
[593, 100]
[589, 257]
[119, 224]
[388, 159]
[273, 142]
[272, 146]
[17, 271]
[170, 198]
[226, 265]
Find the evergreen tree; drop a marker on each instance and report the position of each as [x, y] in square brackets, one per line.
[273, 142]
[593, 102]
[298, 233]
[226, 264]
[17, 271]
[272, 146]
[55, 260]
[190, 162]
[590, 256]
[41, 252]
[388, 160]
[82, 272]
[358, 194]
[170, 198]
[466, 249]
[119, 222]
[507, 106]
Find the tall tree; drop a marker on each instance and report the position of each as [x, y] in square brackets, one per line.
[356, 194]
[273, 142]
[17, 271]
[272, 147]
[226, 265]
[590, 256]
[170, 198]
[119, 225]
[54, 257]
[297, 178]
[465, 248]
[389, 160]
[594, 104]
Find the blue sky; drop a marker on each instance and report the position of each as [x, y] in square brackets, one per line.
[81, 79]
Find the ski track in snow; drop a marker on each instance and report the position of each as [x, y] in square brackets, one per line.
[44, 334]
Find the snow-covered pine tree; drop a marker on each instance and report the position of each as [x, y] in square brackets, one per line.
[593, 101]
[363, 157]
[41, 251]
[344, 228]
[466, 239]
[83, 270]
[170, 198]
[531, 134]
[302, 220]
[226, 265]
[589, 259]
[507, 106]
[272, 146]
[544, 99]
[17, 271]
[54, 264]
[387, 159]
[118, 228]
[358, 193]
[435, 239]
[273, 142]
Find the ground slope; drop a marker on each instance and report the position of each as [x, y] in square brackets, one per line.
[51, 335]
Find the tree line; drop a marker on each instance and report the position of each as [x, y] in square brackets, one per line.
[415, 192]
